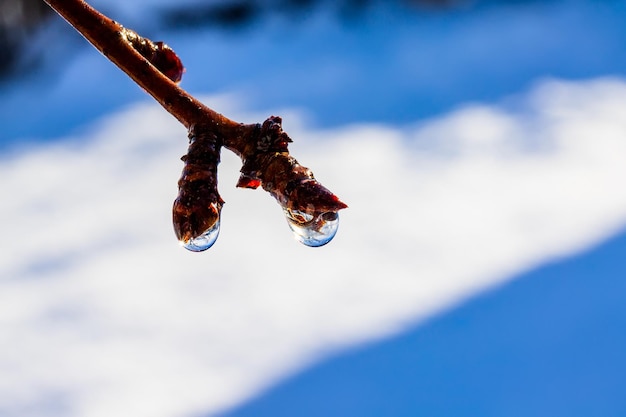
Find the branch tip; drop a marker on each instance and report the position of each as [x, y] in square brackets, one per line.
[311, 209]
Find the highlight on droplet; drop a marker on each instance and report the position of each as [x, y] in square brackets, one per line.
[197, 226]
[204, 241]
[312, 230]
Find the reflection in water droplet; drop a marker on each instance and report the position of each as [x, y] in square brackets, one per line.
[204, 241]
[310, 230]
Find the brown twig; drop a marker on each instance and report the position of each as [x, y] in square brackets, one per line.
[263, 148]
[110, 38]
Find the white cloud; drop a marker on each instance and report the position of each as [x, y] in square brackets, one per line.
[103, 314]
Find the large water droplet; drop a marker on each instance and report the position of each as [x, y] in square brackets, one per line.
[313, 230]
[204, 241]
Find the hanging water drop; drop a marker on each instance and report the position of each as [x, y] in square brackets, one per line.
[312, 230]
[197, 227]
[204, 241]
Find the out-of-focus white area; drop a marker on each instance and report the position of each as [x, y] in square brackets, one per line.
[102, 314]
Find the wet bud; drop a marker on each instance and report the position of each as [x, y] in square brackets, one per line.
[196, 211]
[158, 54]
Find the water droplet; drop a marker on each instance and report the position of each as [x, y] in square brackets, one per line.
[204, 241]
[311, 230]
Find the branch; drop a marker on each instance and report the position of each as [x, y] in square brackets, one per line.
[310, 208]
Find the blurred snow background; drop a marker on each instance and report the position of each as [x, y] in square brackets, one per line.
[473, 141]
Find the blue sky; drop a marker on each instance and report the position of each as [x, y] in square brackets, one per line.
[387, 66]
[476, 272]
